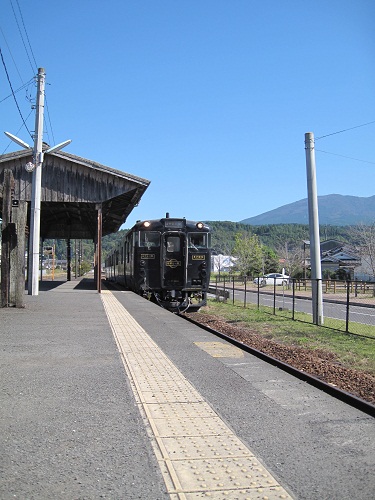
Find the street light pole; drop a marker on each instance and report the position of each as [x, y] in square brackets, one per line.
[33, 269]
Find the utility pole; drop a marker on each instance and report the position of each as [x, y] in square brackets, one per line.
[316, 268]
[36, 193]
[33, 270]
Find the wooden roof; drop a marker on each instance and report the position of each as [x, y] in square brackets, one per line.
[72, 189]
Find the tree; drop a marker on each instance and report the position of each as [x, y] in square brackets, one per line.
[270, 260]
[248, 251]
[364, 238]
[293, 258]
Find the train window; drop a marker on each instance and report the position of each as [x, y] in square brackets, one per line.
[127, 253]
[149, 239]
[197, 240]
[173, 244]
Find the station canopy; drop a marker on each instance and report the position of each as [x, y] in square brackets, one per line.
[73, 189]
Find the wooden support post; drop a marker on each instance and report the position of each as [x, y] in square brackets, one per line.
[8, 187]
[17, 255]
[12, 246]
[99, 249]
[68, 260]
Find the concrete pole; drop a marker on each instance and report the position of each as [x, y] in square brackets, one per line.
[33, 272]
[316, 269]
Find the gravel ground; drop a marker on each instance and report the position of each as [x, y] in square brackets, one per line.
[321, 364]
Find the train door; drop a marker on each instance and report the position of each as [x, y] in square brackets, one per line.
[198, 260]
[173, 270]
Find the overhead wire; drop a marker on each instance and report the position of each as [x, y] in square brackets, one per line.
[348, 157]
[19, 30]
[36, 68]
[49, 121]
[345, 130]
[27, 36]
[10, 142]
[18, 16]
[13, 93]
[340, 132]
[18, 90]
[11, 55]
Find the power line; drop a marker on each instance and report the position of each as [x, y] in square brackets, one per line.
[348, 157]
[49, 121]
[23, 41]
[20, 88]
[10, 142]
[345, 130]
[11, 55]
[14, 96]
[27, 36]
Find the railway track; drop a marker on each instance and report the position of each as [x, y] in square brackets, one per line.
[330, 389]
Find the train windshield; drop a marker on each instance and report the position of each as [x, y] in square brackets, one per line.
[149, 239]
[173, 244]
[198, 240]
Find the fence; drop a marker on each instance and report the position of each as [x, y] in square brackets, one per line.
[348, 306]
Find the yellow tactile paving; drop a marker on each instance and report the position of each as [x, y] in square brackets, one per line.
[198, 454]
[220, 349]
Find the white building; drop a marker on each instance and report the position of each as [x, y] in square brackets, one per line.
[222, 263]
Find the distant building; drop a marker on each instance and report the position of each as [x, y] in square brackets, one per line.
[222, 263]
[339, 258]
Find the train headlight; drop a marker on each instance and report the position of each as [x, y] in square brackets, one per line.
[200, 225]
[147, 223]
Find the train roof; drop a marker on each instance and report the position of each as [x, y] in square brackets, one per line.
[170, 223]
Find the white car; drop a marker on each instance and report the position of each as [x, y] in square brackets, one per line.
[270, 279]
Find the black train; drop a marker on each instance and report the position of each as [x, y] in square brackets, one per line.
[167, 260]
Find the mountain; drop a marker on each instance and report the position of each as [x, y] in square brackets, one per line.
[334, 209]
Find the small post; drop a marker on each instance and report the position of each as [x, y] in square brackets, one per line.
[294, 299]
[347, 307]
[274, 296]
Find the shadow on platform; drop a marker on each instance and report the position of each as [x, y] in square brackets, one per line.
[81, 284]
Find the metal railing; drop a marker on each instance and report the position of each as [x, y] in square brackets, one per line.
[348, 306]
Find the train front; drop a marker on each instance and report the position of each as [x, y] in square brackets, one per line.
[175, 263]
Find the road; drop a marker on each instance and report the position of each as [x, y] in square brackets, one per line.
[335, 310]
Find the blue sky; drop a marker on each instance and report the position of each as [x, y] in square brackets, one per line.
[208, 99]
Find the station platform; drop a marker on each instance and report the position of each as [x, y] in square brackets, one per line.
[110, 396]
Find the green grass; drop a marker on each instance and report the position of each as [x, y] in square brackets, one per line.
[350, 350]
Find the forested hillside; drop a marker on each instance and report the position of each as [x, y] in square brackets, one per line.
[273, 236]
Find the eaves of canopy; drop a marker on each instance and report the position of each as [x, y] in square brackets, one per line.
[73, 189]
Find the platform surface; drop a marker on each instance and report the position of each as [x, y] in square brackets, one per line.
[109, 396]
